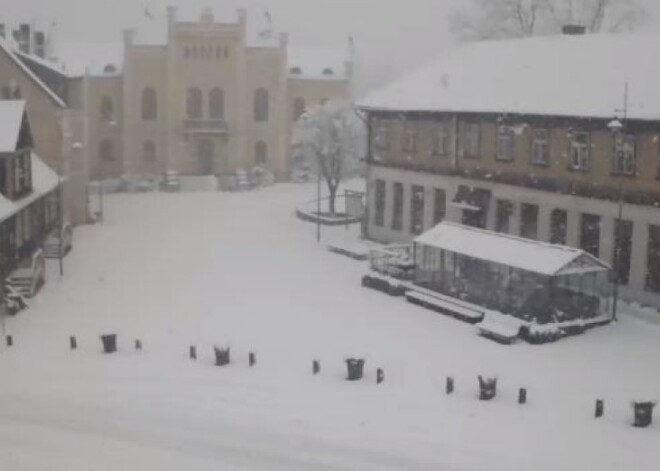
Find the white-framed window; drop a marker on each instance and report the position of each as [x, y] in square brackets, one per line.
[580, 151]
[472, 140]
[381, 139]
[505, 143]
[410, 139]
[540, 147]
[625, 155]
[441, 139]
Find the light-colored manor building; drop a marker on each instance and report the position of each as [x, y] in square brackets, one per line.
[519, 137]
[208, 98]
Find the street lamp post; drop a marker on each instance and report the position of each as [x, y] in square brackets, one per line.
[616, 128]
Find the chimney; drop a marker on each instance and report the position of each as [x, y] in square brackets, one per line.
[40, 44]
[574, 30]
[207, 16]
[24, 38]
[129, 38]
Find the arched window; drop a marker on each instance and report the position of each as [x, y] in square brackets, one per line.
[107, 108]
[149, 151]
[261, 105]
[107, 151]
[299, 106]
[261, 153]
[149, 104]
[194, 103]
[217, 104]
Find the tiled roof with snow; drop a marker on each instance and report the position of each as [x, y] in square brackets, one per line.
[77, 58]
[573, 76]
[11, 118]
[504, 249]
[9, 50]
[317, 63]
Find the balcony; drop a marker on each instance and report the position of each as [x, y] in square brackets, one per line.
[205, 126]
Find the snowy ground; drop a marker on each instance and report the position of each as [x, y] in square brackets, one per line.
[240, 269]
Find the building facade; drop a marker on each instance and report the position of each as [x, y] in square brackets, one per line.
[556, 168]
[29, 196]
[209, 98]
[53, 108]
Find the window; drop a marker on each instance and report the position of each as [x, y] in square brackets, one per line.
[381, 139]
[149, 104]
[410, 140]
[379, 213]
[260, 153]
[505, 141]
[397, 209]
[653, 260]
[217, 104]
[580, 151]
[504, 213]
[623, 232]
[417, 210]
[107, 151]
[106, 110]
[440, 207]
[186, 52]
[261, 105]
[441, 140]
[3, 177]
[218, 53]
[471, 140]
[194, 103]
[590, 234]
[299, 107]
[149, 151]
[11, 92]
[529, 221]
[624, 155]
[558, 224]
[540, 147]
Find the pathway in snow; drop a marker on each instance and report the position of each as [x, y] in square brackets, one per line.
[205, 268]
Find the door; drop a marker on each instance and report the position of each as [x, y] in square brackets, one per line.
[205, 154]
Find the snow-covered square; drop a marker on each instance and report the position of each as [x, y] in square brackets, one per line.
[240, 270]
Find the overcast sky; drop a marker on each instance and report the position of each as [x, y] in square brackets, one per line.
[391, 35]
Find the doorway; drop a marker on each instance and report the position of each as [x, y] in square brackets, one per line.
[205, 154]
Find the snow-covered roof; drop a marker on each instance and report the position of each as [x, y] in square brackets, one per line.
[11, 118]
[9, 50]
[525, 254]
[313, 62]
[44, 180]
[573, 76]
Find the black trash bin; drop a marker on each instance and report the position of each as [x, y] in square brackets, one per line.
[355, 368]
[643, 413]
[487, 388]
[109, 343]
[222, 356]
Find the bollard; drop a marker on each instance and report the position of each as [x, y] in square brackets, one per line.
[10, 341]
[222, 356]
[109, 343]
[487, 388]
[449, 385]
[355, 368]
[643, 414]
[316, 367]
[522, 396]
[380, 376]
[138, 344]
[73, 343]
[600, 408]
[253, 359]
[193, 352]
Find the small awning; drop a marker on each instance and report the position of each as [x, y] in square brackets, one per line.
[472, 199]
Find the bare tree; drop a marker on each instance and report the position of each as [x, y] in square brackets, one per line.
[332, 138]
[497, 19]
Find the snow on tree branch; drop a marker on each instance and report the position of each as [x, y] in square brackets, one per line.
[497, 19]
[332, 138]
